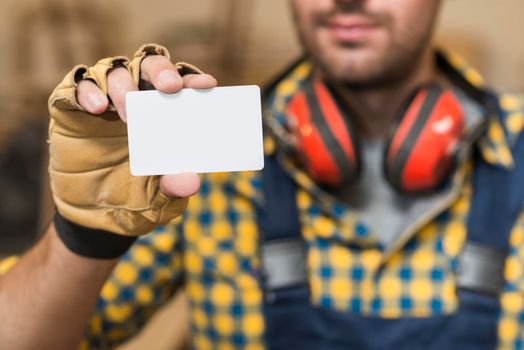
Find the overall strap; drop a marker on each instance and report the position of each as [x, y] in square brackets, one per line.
[283, 249]
[497, 200]
[278, 219]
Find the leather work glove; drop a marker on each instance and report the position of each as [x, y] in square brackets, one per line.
[89, 161]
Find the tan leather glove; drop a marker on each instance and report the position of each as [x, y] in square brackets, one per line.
[89, 160]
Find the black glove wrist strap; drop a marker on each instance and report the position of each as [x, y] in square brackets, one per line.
[91, 243]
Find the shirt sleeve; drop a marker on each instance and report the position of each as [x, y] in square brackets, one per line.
[511, 321]
[147, 276]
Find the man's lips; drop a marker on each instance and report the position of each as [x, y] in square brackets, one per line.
[350, 29]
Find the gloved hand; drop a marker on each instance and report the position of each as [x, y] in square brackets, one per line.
[89, 161]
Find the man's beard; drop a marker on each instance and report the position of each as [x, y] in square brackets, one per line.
[394, 67]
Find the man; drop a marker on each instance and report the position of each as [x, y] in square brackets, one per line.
[409, 260]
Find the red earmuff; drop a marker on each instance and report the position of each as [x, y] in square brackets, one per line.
[323, 135]
[419, 153]
[421, 149]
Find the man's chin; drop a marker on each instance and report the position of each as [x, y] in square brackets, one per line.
[358, 73]
[355, 62]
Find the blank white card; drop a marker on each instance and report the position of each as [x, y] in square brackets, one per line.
[194, 130]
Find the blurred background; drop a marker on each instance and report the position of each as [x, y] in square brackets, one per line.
[238, 41]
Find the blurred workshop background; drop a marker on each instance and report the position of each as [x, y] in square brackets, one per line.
[238, 41]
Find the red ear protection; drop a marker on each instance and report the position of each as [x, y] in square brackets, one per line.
[421, 148]
[419, 152]
[324, 135]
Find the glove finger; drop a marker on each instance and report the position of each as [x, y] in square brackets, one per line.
[143, 52]
[91, 98]
[119, 83]
[187, 68]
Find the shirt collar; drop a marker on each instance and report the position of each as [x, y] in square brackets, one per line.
[493, 144]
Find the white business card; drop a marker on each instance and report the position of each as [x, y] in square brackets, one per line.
[195, 130]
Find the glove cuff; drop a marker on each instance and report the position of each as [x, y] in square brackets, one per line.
[91, 243]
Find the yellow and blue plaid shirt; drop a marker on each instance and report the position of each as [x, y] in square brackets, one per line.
[212, 252]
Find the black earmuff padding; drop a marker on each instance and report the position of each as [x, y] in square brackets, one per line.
[393, 169]
[348, 172]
